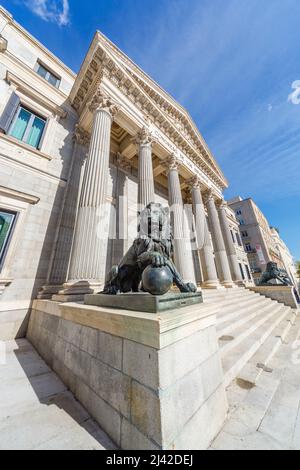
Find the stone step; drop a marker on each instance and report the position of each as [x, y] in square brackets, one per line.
[223, 308]
[225, 292]
[294, 334]
[242, 317]
[233, 310]
[260, 360]
[244, 346]
[249, 327]
[228, 297]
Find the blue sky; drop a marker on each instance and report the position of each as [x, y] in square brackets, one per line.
[231, 63]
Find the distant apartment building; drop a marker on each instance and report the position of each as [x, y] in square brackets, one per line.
[285, 254]
[242, 257]
[261, 242]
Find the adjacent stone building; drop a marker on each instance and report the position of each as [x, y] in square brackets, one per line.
[79, 156]
[285, 255]
[262, 243]
[242, 257]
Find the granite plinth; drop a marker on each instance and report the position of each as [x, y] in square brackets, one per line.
[144, 302]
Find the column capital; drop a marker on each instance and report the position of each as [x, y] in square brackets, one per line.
[222, 204]
[193, 183]
[143, 137]
[209, 196]
[81, 136]
[171, 162]
[101, 101]
[123, 163]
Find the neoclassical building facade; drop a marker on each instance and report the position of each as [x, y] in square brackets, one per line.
[80, 155]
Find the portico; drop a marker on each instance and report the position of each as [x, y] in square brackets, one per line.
[135, 132]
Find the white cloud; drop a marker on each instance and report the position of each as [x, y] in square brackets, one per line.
[295, 96]
[56, 11]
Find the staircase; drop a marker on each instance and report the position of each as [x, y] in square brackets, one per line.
[250, 329]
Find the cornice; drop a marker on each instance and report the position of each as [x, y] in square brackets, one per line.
[21, 196]
[101, 63]
[32, 91]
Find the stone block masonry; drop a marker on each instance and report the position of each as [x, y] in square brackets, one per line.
[151, 381]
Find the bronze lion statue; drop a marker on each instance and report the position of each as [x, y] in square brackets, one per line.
[272, 272]
[153, 246]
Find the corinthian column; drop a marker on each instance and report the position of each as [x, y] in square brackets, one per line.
[229, 245]
[64, 235]
[218, 243]
[210, 277]
[182, 253]
[88, 256]
[145, 169]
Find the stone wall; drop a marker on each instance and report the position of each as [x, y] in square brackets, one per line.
[283, 294]
[162, 390]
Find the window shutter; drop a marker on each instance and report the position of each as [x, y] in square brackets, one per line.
[9, 112]
[43, 135]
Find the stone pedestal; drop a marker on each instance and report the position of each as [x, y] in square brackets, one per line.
[283, 294]
[151, 381]
[144, 302]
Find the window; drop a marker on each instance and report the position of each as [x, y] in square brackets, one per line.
[248, 272]
[27, 127]
[232, 236]
[47, 75]
[244, 234]
[242, 271]
[7, 220]
[241, 221]
[239, 212]
[238, 239]
[248, 247]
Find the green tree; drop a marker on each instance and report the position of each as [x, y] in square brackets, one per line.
[298, 268]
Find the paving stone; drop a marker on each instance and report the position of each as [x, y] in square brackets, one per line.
[36, 410]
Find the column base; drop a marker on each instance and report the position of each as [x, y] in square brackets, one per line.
[47, 291]
[211, 285]
[74, 291]
[240, 283]
[229, 284]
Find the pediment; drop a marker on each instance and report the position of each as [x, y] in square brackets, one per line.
[104, 58]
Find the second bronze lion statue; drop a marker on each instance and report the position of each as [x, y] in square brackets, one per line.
[153, 247]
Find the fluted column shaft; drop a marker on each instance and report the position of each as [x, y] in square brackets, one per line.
[229, 245]
[145, 169]
[218, 243]
[210, 277]
[182, 261]
[61, 258]
[88, 255]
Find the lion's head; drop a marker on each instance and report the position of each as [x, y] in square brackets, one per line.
[272, 267]
[154, 222]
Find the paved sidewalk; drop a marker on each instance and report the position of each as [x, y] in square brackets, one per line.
[36, 409]
[267, 417]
